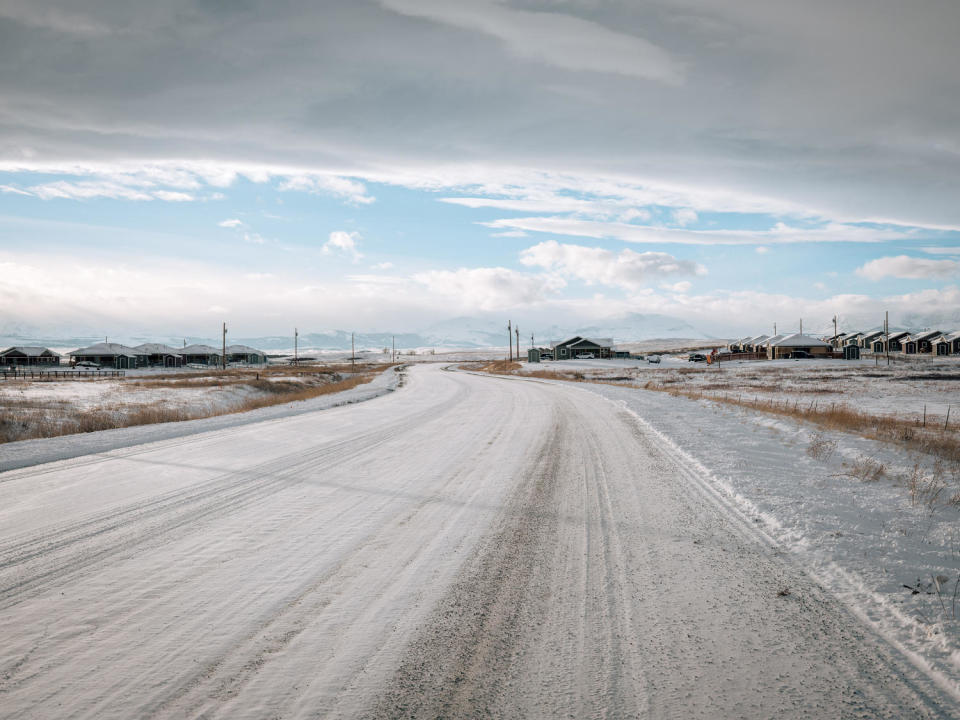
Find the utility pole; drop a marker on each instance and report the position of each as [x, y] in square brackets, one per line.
[801, 326]
[223, 358]
[510, 339]
[516, 329]
[531, 341]
[834, 328]
[774, 329]
[393, 348]
[296, 334]
[886, 329]
[353, 353]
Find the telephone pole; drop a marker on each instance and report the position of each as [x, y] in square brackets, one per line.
[393, 348]
[834, 328]
[296, 334]
[801, 326]
[353, 353]
[516, 329]
[223, 358]
[510, 338]
[531, 341]
[886, 330]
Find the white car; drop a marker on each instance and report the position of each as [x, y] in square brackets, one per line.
[653, 359]
[87, 365]
[586, 356]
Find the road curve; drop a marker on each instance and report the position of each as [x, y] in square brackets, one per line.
[467, 547]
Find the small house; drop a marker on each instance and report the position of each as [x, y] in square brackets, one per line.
[245, 354]
[107, 354]
[879, 343]
[796, 342]
[578, 346]
[29, 356]
[200, 355]
[867, 338]
[159, 355]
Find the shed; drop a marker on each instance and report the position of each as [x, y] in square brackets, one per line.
[29, 355]
[533, 355]
[851, 352]
[797, 343]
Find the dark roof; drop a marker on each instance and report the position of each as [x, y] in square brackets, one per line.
[30, 351]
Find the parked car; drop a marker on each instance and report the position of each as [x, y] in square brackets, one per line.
[586, 356]
[546, 356]
[697, 357]
[653, 359]
[798, 354]
[87, 365]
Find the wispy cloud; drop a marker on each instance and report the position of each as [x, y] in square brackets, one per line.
[231, 223]
[910, 268]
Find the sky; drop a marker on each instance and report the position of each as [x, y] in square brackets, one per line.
[385, 165]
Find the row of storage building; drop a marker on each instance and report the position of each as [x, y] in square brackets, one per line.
[122, 357]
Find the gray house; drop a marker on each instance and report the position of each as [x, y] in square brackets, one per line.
[200, 355]
[157, 354]
[245, 354]
[577, 345]
[30, 356]
[107, 354]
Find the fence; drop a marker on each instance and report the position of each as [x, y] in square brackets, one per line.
[58, 374]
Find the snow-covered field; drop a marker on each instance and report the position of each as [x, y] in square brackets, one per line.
[47, 408]
[472, 546]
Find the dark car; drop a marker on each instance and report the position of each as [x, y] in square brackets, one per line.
[798, 354]
[697, 357]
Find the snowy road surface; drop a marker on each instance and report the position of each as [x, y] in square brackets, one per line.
[466, 547]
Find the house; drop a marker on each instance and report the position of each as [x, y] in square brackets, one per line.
[921, 342]
[867, 338]
[245, 354]
[852, 338]
[941, 345]
[577, 345]
[836, 340]
[879, 343]
[533, 355]
[28, 355]
[200, 355]
[157, 354]
[796, 342]
[107, 354]
[755, 344]
[954, 339]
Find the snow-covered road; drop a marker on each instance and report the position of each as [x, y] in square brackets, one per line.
[469, 546]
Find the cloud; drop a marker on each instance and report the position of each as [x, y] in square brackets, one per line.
[488, 289]
[911, 268]
[679, 287]
[761, 249]
[556, 39]
[350, 190]
[381, 266]
[626, 269]
[684, 216]
[172, 196]
[230, 223]
[344, 243]
[955, 250]
[779, 233]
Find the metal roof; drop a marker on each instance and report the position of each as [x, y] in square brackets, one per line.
[243, 350]
[105, 349]
[199, 350]
[157, 349]
[798, 340]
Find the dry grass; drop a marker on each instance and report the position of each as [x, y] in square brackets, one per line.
[26, 419]
[932, 440]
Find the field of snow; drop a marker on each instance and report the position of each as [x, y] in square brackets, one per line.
[49, 408]
[470, 546]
